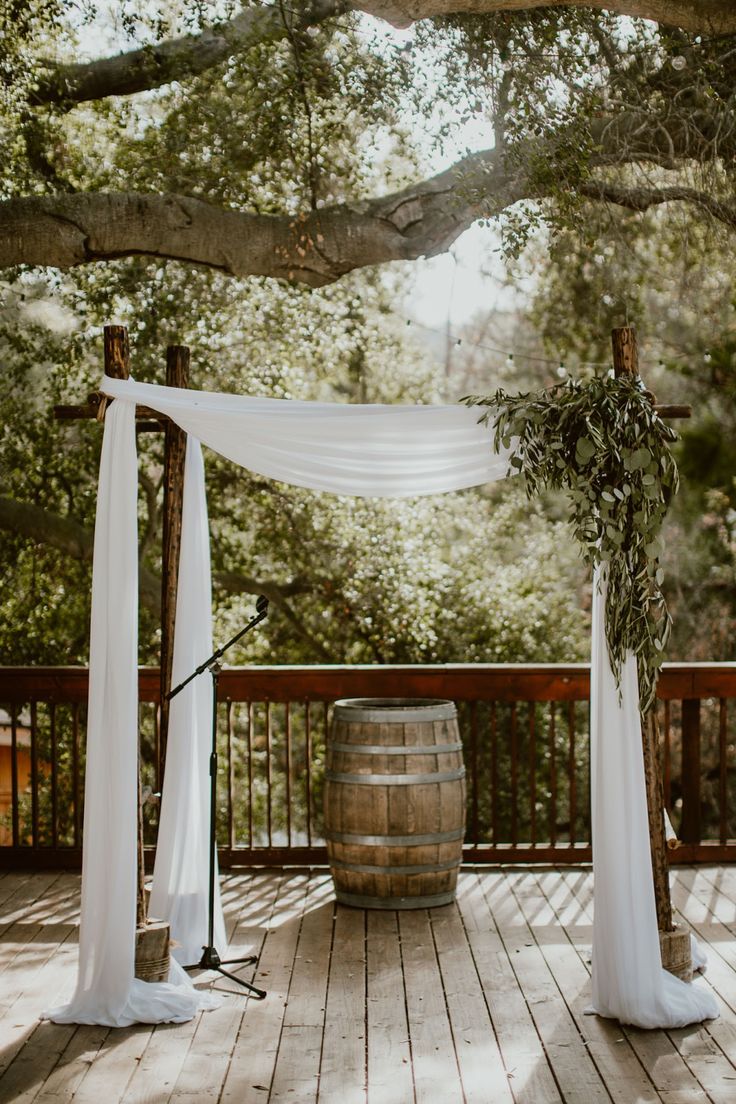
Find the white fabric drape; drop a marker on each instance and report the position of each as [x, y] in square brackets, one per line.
[107, 992]
[358, 450]
[373, 451]
[629, 983]
[181, 873]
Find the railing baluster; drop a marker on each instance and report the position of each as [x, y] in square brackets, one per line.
[76, 788]
[251, 722]
[230, 779]
[34, 774]
[532, 773]
[269, 779]
[287, 765]
[690, 826]
[14, 774]
[667, 758]
[514, 778]
[723, 768]
[308, 769]
[552, 775]
[54, 777]
[325, 737]
[474, 771]
[572, 791]
[494, 774]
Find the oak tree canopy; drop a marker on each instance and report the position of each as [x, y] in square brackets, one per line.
[628, 104]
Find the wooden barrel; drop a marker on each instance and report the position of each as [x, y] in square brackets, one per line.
[394, 802]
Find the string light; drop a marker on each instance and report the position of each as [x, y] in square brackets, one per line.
[510, 363]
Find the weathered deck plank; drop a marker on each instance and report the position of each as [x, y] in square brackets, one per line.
[388, 1051]
[576, 1075]
[342, 1074]
[471, 1003]
[530, 1077]
[556, 929]
[660, 1052]
[254, 1057]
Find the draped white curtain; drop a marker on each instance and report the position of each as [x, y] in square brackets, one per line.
[375, 451]
[107, 992]
[628, 980]
[180, 878]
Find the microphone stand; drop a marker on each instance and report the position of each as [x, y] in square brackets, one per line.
[210, 959]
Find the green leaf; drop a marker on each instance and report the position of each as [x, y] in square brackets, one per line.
[585, 448]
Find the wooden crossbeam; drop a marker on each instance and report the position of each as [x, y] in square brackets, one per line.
[147, 420]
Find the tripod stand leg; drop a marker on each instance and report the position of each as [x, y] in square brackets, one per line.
[259, 994]
[243, 961]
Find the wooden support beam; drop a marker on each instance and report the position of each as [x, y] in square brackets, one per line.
[177, 375]
[626, 362]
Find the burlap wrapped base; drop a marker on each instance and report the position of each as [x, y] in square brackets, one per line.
[152, 951]
[676, 956]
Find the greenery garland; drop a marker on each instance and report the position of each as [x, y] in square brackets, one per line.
[603, 443]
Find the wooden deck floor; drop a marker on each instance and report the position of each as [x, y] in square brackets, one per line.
[480, 1001]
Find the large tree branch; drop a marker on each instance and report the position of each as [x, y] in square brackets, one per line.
[699, 16]
[177, 59]
[641, 199]
[315, 249]
[320, 246]
[68, 536]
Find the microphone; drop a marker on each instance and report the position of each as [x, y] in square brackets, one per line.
[211, 664]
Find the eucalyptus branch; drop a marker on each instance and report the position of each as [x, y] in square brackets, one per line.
[603, 443]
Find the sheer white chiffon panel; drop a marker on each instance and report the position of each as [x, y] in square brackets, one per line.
[365, 450]
[107, 992]
[181, 873]
[629, 983]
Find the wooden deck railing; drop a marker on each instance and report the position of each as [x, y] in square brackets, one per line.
[524, 729]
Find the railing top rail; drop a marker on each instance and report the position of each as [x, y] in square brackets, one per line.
[460, 682]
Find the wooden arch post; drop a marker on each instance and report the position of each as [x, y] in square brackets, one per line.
[626, 363]
[175, 447]
[675, 944]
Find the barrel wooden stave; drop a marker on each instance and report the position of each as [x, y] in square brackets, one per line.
[400, 820]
